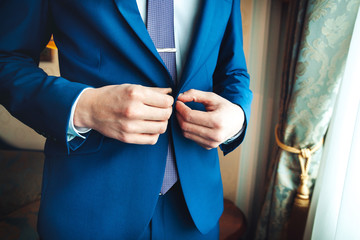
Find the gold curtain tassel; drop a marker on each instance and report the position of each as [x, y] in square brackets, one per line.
[300, 208]
[303, 191]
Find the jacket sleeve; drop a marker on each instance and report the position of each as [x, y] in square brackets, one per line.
[231, 79]
[40, 101]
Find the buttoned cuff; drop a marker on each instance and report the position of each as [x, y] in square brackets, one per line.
[230, 140]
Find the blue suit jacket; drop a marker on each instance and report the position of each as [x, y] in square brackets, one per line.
[102, 188]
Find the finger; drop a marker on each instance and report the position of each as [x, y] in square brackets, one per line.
[143, 127]
[193, 95]
[156, 114]
[135, 138]
[162, 90]
[194, 116]
[201, 131]
[158, 97]
[205, 143]
[145, 112]
[143, 139]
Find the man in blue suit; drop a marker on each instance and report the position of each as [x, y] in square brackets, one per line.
[116, 117]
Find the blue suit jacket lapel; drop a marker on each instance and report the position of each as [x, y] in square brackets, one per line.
[130, 12]
[198, 44]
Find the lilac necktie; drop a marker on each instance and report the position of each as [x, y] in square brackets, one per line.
[160, 25]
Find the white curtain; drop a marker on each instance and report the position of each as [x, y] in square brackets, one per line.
[335, 205]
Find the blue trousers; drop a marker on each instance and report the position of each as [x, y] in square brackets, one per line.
[172, 220]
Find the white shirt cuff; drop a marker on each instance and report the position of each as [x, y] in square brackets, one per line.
[239, 133]
[74, 131]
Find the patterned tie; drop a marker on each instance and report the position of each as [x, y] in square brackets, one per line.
[160, 25]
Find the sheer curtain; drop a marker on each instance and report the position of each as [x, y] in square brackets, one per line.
[335, 206]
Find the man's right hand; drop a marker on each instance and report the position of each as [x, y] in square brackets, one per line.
[129, 113]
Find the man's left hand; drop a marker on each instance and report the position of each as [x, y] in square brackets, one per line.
[221, 120]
